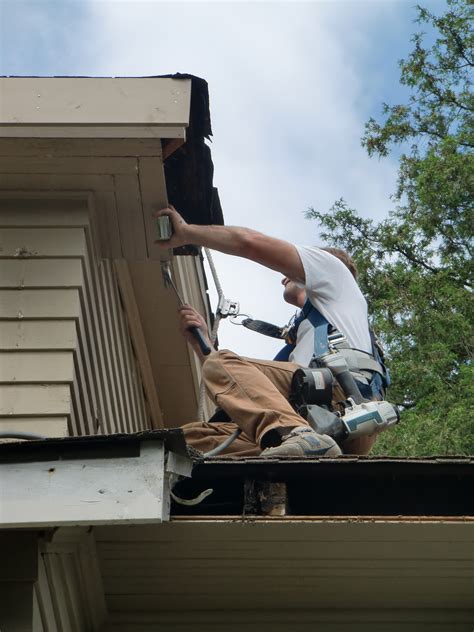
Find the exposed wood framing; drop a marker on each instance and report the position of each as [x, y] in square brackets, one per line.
[265, 497]
[170, 146]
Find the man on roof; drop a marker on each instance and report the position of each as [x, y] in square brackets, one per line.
[254, 393]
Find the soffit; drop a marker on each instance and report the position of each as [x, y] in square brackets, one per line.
[271, 566]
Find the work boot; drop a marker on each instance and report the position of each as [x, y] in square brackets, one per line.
[303, 441]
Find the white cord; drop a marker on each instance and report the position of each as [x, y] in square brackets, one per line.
[213, 334]
[210, 260]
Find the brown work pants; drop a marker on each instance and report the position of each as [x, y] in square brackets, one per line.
[254, 393]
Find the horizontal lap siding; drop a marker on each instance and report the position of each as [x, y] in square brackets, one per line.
[34, 335]
[65, 351]
[27, 367]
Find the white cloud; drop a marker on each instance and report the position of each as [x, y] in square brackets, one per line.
[289, 98]
[291, 85]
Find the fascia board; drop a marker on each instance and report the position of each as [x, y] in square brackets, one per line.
[120, 489]
[77, 101]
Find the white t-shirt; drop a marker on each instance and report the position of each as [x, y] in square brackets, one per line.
[332, 289]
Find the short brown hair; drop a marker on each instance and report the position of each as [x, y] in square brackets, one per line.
[345, 257]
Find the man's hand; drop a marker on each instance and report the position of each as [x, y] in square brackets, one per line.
[272, 253]
[189, 317]
[179, 235]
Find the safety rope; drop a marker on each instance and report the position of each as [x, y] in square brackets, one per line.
[215, 276]
[215, 327]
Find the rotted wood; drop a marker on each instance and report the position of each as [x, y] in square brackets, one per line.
[266, 498]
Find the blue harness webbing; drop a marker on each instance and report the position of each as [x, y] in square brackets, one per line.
[321, 346]
[321, 330]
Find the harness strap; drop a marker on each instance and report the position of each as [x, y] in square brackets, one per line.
[284, 354]
[321, 332]
[321, 329]
[262, 327]
[357, 361]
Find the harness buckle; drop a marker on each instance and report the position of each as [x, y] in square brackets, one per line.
[335, 338]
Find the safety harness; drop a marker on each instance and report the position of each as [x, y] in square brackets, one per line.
[369, 370]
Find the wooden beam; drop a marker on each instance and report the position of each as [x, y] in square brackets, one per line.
[138, 339]
[170, 145]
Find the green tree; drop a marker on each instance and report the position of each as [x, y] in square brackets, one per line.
[416, 265]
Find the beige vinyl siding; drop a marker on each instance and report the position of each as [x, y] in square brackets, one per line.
[34, 399]
[45, 426]
[110, 186]
[33, 335]
[65, 347]
[24, 366]
[23, 303]
[34, 273]
[122, 231]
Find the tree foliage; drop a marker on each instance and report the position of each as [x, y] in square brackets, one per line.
[416, 265]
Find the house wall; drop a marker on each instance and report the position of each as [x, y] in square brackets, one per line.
[67, 365]
[115, 184]
[99, 140]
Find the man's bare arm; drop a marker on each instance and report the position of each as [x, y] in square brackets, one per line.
[276, 254]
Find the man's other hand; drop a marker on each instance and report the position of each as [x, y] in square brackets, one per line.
[189, 317]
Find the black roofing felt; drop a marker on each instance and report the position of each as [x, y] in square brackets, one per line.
[189, 171]
[121, 444]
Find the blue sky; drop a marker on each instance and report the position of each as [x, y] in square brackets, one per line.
[291, 86]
